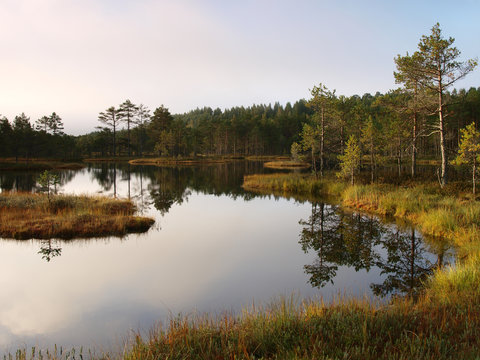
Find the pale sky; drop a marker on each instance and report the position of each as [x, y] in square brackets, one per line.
[79, 57]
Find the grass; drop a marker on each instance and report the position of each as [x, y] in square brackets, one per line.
[286, 164]
[346, 329]
[289, 184]
[27, 215]
[292, 329]
[7, 164]
[160, 161]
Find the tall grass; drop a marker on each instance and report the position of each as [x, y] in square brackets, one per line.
[346, 329]
[26, 215]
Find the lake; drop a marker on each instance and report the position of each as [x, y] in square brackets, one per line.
[214, 248]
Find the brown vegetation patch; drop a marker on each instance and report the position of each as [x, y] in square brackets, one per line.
[287, 164]
[27, 216]
[7, 164]
[181, 162]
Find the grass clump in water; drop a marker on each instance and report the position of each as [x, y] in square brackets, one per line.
[26, 216]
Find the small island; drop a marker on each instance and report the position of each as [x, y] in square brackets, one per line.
[42, 216]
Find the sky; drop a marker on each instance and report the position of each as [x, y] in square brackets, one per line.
[80, 57]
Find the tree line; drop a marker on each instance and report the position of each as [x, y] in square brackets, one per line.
[424, 118]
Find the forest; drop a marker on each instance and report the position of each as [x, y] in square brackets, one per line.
[422, 118]
[254, 130]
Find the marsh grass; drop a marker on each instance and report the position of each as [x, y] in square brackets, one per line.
[289, 328]
[286, 164]
[183, 161]
[26, 216]
[344, 329]
[38, 164]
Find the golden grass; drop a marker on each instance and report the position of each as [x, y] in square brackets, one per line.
[344, 329]
[38, 164]
[26, 216]
[179, 161]
[286, 164]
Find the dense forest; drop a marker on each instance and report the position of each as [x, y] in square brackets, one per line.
[255, 130]
[423, 118]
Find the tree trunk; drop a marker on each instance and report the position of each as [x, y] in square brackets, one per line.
[114, 142]
[441, 125]
[414, 135]
[128, 132]
[322, 141]
[372, 164]
[474, 171]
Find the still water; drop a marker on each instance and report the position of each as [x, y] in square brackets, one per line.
[214, 248]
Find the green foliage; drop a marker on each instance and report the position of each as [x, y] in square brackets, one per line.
[350, 160]
[469, 150]
[295, 151]
[48, 182]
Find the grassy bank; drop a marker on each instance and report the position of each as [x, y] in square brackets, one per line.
[26, 216]
[181, 161]
[7, 164]
[345, 329]
[286, 164]
[449, 213]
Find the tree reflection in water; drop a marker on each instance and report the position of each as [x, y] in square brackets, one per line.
[49, 249]
[341, 238]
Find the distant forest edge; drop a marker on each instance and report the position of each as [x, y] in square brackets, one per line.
[255, 130]
[422, 118]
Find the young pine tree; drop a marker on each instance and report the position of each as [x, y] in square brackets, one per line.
[350, 160]
[469, 150]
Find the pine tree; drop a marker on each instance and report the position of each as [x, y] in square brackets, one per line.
[469, 150]
[350, 160]
[323, 103]
[126, 112]
[109, 118]
[55, 124]
[310, 140]
[439, 69]
[42, 124]
[142, 117]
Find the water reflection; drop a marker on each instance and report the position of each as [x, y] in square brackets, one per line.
[340, 238]
[218, 248]
[49, 249]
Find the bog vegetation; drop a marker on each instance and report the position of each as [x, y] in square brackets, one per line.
[44, 216]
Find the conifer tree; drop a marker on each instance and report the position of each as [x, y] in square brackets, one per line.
[350, 160]
[322, 103]
[126, 112]
[142, 117]
[310, 140]
[437, 70]
[55, 124]
[109, 118]
[469, 150]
